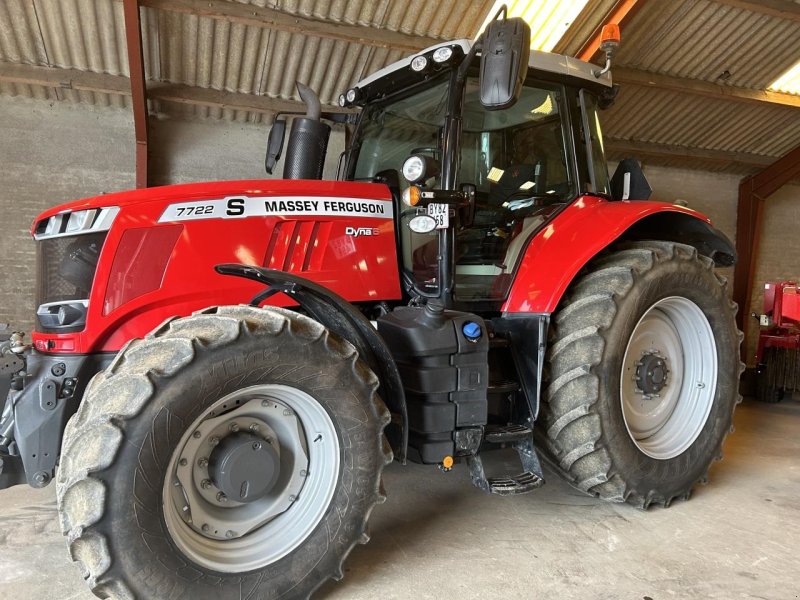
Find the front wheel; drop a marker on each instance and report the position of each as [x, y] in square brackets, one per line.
[644, 372]
[236, 453]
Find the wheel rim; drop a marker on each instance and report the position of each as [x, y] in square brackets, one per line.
[669, 377]
[231, 536]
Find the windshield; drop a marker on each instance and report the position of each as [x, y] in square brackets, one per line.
[388, 134]
[391, 132]
[518, 152]
[518, 161]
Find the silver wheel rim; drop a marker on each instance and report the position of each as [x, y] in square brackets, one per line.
[665, 415]
[233, 537]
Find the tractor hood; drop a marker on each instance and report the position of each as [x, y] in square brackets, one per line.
[187, 192]
[112, 267]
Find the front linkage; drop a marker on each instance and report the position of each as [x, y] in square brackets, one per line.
[40, 392]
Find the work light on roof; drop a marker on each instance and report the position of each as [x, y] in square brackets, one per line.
[342, 100]
[419, 63]
[352, 94]
[443, 54]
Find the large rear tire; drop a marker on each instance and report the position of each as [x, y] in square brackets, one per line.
[150, 490]
[643, 375]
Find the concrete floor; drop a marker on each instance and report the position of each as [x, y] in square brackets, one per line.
[438, 537]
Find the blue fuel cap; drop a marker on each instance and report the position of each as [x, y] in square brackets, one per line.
[472, 331]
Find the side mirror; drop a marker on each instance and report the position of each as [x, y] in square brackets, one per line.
[275, 144]
[505, 51]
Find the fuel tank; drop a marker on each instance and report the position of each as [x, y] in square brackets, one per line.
[113, 267]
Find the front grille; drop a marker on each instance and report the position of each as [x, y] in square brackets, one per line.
[66, 267]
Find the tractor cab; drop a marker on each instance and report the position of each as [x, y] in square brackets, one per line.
[475, 178]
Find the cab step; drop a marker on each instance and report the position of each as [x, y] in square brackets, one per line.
[502, 387]
[508, 485]
[506, 434]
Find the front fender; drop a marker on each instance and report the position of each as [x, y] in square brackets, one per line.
[561, 249]
[345, 320]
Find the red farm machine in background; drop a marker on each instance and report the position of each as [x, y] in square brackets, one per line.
[777, 365]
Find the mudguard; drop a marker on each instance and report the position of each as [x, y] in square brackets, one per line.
[344, 319]
[577, 234]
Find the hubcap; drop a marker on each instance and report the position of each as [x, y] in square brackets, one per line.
[669, 377]
[251, 478]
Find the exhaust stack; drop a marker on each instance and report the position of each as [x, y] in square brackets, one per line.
[308, 140]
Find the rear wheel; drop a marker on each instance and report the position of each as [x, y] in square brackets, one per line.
[644, 373]
[235, 453]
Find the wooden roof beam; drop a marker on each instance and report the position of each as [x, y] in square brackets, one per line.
[753, 193]
[133, 45]
[783, 9]
[270, 18]
[668, 151]
[118, 85]
[697, 87]
[623, 11]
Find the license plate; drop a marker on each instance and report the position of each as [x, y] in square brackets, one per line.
[440, 214]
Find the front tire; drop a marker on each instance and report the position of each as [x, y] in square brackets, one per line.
[147, 487]
[643, 375]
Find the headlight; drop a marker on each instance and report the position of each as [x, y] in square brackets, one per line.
[414, 169]
[68, 314]
[441, 55]
[79, 220]
[58, 315]
[419, 63]
[76, 223]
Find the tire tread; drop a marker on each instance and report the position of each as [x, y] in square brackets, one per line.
[93, 436]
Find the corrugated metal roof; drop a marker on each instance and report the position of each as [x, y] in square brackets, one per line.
[701, 39]
[214, 53]
[665, 117]
[697, 39]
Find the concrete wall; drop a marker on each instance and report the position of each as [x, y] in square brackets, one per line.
[51, 153]
[55, 152]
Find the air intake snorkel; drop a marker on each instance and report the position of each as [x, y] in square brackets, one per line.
[308, 140]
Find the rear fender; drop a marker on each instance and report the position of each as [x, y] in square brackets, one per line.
[345, 320]
[560, 250]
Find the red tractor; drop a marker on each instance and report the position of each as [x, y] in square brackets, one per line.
[777, 365]
[472, 280]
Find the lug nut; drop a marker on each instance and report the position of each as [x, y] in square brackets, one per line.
[202, 463]
[254, 428]
[303, 473]
[234, 427]
[205, 527]
[229, 534]
[265, 403]
[214, 441]
[221, 497]
[184, 462]
[205, 484]
[196, 434]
